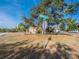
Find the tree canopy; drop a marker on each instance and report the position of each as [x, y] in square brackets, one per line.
[55, 10]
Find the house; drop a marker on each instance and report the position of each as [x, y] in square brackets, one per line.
[54, 26]
[32, 30]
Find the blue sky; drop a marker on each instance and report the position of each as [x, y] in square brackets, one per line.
[12, 10]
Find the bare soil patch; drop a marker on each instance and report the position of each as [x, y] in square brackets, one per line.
[20, 46]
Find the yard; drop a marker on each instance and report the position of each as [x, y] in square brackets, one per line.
[20, 46]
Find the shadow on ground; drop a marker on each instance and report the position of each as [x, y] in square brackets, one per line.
[15, 51]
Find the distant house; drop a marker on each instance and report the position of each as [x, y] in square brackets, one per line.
[54, 26]
[74, 31]
[32, 30]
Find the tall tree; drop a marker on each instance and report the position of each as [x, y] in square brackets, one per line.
[55, 10]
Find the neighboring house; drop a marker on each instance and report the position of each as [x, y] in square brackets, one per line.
[32, 30]
[74, 31]
[54, 26]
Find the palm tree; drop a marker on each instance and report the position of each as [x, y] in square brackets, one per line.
[71, 24]
[21, 27]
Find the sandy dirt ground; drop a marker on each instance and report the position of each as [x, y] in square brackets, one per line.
[20, 46]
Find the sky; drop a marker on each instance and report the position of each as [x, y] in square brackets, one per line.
[12, 10]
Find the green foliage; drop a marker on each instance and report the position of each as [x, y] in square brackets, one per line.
[21, 27]
[28, 21]
[8, 30]
[56, 14]
[72, 25]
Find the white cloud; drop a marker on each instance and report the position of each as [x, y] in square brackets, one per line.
[7, 21]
